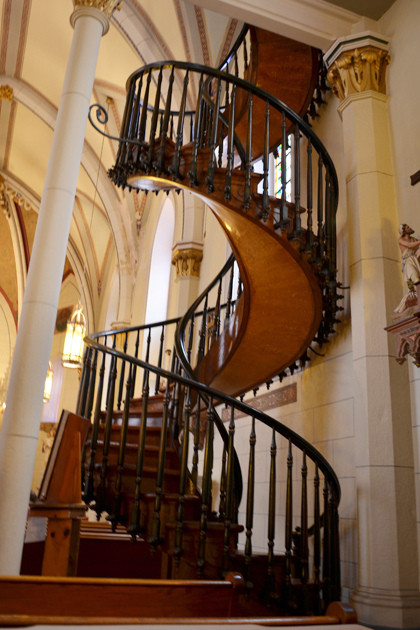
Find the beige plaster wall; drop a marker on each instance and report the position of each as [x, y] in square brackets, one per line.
[401, 24]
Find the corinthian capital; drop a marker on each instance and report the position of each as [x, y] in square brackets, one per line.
[187, 261]
[357, 65]
[107, 6]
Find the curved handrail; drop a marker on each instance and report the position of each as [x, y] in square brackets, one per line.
[229, 401]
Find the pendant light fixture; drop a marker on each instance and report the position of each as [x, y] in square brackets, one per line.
[73, 341]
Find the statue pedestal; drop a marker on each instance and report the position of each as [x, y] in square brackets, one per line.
[406, 328]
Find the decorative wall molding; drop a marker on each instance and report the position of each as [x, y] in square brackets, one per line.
[271, 400]
[187, 261]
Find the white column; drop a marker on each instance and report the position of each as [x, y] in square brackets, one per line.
[388, 580]
[19, 434]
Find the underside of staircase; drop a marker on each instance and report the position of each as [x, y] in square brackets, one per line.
[174, 499]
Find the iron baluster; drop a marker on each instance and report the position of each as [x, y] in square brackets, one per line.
[102, 502]
[135, 527]
[326, 575]
[230, 146]
[206, 491]
[115, 517]
[88, 492]
[320, 211]
[174, 169]
[81, 397]
[317, 529]
[183, 478]
[284, 215]
[250, 506]
[122, 375]
[143, 119]
[213, 139]
[155, 537]
[248, 162]
[289, 515]
[229, 295]
[236, 64]
[203, 332]
[197, 431]
[270, 587]
[165, 126]
[123, 146]
[229, 493]
[192, 173]
[297, 228]
[304, 551]
[217, 311]
[245, 55]
[222, 492]
[309, 186]
[133, 126]
[190, 338]
[136, 355]
[162, 338]
[153, 125]
[265, 213]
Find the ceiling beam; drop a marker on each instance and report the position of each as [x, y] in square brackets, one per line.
[314, 22]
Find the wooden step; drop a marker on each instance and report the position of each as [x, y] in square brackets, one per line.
[33, 599]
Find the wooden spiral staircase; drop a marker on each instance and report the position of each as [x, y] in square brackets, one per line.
[159, 460]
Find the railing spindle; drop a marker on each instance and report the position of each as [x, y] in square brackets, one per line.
[88, 491]
[206, 490]
[159, 363]
[158, 166]
[229, 493]
[289, 515]
[101, 494]
[174, 169]
[155, 536]
[213, 139]
[309, 186]
[270, 590]
[230, 147]
[199, 115]
[248, 162]
[297, 228]
[135, 527]
[183, 478]
[304, 551]
[265, 212]
[250, 505]
[153, 126]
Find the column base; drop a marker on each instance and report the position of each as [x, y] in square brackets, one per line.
[386, 608]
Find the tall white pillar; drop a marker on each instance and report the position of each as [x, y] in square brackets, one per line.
[19, 434]
[388, 582]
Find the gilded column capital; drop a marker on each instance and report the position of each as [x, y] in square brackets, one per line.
[6, 93]
[103, 11]
[187, 261]
[357, 65]
[107, 6]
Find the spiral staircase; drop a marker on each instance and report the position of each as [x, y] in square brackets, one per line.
[165, 457]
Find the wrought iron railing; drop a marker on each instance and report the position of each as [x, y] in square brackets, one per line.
[114, 483]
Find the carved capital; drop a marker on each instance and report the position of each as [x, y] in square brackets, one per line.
[187, 261]
[6, 93]
[107, 6]
[359, 70]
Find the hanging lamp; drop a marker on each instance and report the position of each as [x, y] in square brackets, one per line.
[73, 341]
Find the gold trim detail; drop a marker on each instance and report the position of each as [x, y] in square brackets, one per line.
[187, 261]
[7, 192]
[6, 93]
[107, 6]
[359, 70]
